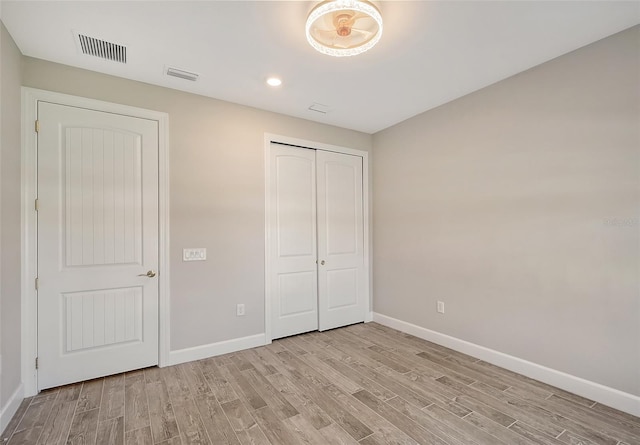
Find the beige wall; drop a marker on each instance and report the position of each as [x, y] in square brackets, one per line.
[9, 216]
[216, 193]
[518, 207]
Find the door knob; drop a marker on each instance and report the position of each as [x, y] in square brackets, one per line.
[322, 263]
[149, 274]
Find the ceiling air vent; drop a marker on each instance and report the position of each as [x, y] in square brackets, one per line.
[319, 108]
[182, 74]
[103, 49]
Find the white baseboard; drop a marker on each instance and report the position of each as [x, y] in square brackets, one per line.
[213, 349]
[10, 408]
[614, 398]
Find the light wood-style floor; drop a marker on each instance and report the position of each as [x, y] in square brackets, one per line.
[364, 384]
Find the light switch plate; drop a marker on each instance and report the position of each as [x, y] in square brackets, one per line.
[196, 254]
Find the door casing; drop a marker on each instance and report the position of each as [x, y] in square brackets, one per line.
[268, 139]
[30, 99]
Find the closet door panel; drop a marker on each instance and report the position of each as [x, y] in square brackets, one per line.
[341, 290]
[293, 276]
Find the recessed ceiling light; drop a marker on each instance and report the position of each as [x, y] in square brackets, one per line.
[274, 82]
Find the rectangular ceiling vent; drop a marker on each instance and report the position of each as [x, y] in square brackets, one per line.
[182, 74]
[319, 108]
[103, 49]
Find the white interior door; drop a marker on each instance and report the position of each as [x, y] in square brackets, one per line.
[341, 271]
[293, 251]
[316, 258]
[97, 239]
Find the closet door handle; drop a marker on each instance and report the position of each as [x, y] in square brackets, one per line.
[322, 263]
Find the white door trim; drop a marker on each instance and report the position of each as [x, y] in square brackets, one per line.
[29, 260]
[268, 139]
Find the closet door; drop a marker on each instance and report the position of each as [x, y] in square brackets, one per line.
[341, 273]
[293, 251]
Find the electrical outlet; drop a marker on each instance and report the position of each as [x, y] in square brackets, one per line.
[240, 310]
[440, 307]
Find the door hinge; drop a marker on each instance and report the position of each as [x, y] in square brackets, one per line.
[37, 126]
[36, 205]
[36, 362]
[37, 283]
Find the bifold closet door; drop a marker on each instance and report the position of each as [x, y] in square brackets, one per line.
[316, 262]
[293, 249]
[341, 274]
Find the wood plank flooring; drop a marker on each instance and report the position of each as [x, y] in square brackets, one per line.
[362, 384]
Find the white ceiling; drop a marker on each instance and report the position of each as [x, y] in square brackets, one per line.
[431, 52]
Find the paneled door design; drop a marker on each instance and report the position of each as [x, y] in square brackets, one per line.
[97, 244]
[316, 263]
[294, 279]
[340, 240]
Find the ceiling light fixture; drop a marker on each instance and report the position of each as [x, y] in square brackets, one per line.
[342, 28]
[274, 82]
